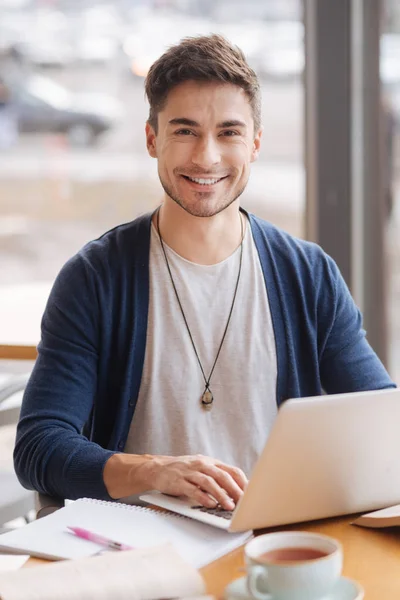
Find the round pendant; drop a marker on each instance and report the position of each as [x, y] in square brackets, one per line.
[207, 400]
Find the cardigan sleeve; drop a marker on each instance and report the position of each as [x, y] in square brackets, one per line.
[347, 361]
[51, 454]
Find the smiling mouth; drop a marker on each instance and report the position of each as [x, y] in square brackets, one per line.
[205, 181]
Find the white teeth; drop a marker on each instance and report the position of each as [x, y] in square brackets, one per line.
[204, 181]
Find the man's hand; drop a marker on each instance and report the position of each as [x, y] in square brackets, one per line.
[203, 479]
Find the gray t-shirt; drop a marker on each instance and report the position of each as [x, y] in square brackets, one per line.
[169, 418]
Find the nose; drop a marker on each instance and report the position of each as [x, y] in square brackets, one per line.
[206, 152]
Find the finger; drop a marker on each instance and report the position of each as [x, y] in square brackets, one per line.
[226, 482]
[210, 486]
[236, 473]
[193, 492]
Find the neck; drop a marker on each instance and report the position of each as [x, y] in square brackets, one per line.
[202, 240]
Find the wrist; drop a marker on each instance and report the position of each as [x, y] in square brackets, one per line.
[149, 471]
[127, 474]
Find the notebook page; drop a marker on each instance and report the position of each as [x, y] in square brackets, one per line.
[136, 526]
[11, 562]
[133, 575]
[390, 511]
[196, 542]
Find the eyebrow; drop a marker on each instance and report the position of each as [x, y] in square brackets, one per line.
[191, 123]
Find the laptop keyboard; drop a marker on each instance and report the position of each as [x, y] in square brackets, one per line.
[218, 511]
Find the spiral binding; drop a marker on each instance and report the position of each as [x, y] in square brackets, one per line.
[134, 507]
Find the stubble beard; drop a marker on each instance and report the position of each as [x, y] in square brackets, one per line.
[200, 208]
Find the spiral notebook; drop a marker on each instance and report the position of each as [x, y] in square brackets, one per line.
[137, 526]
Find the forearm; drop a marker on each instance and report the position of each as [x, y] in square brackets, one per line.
[355, 368]
[129, 474]
[61, 463]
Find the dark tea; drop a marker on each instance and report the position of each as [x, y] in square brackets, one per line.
[291, 555]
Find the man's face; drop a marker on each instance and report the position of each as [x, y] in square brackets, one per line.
[204, 146]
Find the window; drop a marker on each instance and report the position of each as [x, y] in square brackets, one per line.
[390, 78]
[79, 166]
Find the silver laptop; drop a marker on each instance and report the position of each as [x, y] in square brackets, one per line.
[325, 456]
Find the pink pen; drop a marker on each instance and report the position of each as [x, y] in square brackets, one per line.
[98, 539]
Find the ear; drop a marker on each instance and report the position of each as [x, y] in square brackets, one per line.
[151, 140]
[256, 145]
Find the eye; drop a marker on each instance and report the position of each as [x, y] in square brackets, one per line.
[229, 133]
[184, 132]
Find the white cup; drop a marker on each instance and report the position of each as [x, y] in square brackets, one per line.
[292, 565]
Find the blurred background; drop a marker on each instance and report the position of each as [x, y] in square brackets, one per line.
[73, 161]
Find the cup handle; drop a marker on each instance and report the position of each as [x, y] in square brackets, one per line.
[254, 574]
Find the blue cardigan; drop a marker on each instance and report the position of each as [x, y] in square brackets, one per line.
[81, 397]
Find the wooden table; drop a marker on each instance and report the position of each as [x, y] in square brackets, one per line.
[21, 310]
[371, 556]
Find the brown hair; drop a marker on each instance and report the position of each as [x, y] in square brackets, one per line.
[205, 58]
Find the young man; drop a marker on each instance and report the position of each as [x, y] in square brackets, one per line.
[169, 343]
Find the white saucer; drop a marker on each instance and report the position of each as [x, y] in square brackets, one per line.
[344, 589]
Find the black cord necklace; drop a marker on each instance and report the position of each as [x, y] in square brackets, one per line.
[207, 398]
